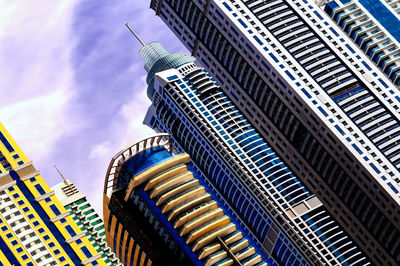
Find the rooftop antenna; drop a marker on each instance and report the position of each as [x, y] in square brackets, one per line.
[65, 180]
[134, 33]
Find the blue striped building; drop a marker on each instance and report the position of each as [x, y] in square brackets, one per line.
[375, 27]
[274, 206]
[331, 115]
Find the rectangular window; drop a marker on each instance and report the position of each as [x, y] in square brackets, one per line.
[40, 189]
[55, 209]
[86, 251]
[6, 143]
[70, 230]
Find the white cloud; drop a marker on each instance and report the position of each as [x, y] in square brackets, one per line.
[37, 123]
[35, 47]
[36, 84]
[132, 114]
[100, 150]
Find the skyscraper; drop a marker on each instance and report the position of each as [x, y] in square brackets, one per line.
[35, 229]
[373, 26]
[158, 211]
[306, 90]
[277, 210]
[86, 218]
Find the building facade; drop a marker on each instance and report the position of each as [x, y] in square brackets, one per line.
[370, 26]
[277, 210]
[157, 210]
[86, 218]
[35, 228]
[304, 87]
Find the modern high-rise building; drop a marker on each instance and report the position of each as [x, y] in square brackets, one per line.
[305, 89]
[35, 228]
[275, 208]
[157, 210]
[374, 27]
[86, 218]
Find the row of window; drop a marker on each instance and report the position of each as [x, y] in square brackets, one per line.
[20, 226]
[196, 146]
[249, 139]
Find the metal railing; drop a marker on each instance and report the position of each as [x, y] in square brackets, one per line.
[130, 151]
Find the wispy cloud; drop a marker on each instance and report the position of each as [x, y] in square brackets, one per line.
[37, 123]
[72, 89]
[36, 83]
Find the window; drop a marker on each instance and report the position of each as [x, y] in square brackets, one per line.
[32, 179]
[78, 242]
[11, 189]
[19, 250]
[16, 195]
[40, 189]
[55, 209]
[46, 237]
[24, 257]
[63, 220]
[14, 242]
[70, 230]
[51, 244]
[56, 252]
[25, 209]
[86, 251]
[31, 216]
[20, 202]
[62, 259]
[9, 235]
[47, 199]
[35, 223]
[41, 230]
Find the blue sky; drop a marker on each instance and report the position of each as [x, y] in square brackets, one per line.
[72, 85]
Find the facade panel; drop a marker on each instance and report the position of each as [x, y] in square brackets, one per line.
[159, 202]
[372, 37]
[326, 136]
[278, 211]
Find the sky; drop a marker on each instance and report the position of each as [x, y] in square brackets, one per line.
[72, 84]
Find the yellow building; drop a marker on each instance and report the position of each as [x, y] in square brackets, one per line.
[35, 228]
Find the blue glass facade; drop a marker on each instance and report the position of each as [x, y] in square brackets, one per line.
[159, 232]
[385, 17]
[370, 37]
[283, 65]
[236, 160]
[255, 220]
[142, 162]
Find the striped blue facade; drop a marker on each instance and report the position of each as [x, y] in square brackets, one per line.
[379, 40]
[244, 171]
[330, 115]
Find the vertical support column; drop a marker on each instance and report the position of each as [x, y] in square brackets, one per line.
[196, 42]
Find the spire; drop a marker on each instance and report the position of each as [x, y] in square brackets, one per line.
[158, 59]
[134, 34]
[65, 180]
